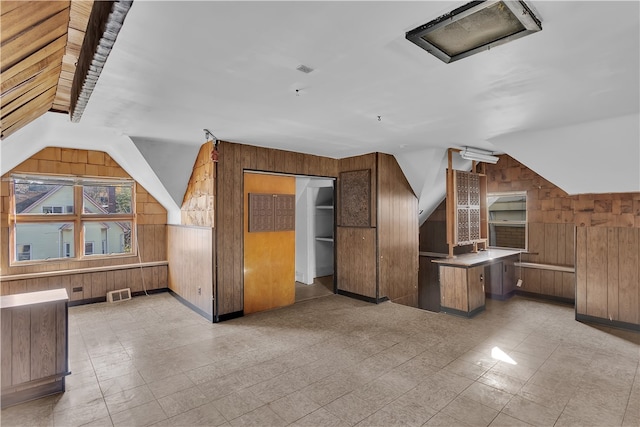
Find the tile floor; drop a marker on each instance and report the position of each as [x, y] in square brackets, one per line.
[336, 361]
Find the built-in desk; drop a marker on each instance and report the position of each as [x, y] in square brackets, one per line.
[465, 279]
[34, 345]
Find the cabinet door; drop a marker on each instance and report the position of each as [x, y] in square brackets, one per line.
[476, 282]
[493, 278]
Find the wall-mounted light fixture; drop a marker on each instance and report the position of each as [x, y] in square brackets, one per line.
[475, 27]
[478, 155]
[211, 137]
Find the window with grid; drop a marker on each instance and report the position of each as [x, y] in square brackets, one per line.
[57, 217]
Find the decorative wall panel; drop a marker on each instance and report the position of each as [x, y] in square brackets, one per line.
[355, 197]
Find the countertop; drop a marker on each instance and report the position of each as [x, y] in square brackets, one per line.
[473, 259]
[32, 298]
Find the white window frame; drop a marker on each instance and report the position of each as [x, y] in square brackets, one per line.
[76, 217]
[513, 223]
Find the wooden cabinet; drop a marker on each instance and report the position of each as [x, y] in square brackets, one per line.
[500, 278]
[467, 279]
[462, 290]
[34, 345]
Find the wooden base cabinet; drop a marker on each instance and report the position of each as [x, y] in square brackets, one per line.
[462, 290]
[465, 279]
[34, 345]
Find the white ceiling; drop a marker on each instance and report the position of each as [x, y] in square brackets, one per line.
[230, 67]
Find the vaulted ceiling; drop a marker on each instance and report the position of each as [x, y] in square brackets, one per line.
[231, 67]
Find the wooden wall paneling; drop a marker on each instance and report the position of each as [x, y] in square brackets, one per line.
[120, 279]
[536, 242]
[397, 234]
[570, 242]
[98, 284]
[238, 234]
[569, 285]
[43, 341]
[629, 276]
[611, 256]
[20, 345]
[531, 280]
[597, 272]
[18, 286]
[64, 282]
[77, 288]
[160, 242]
[110, 281]
[190, 255]
[61, 356]
[6, 348]
[547, 282]
[356, 268]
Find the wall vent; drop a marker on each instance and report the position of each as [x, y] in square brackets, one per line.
[119, 295]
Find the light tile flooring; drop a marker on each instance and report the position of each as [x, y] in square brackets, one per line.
[336, 361]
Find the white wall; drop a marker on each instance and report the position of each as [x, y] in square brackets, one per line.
[312, 260]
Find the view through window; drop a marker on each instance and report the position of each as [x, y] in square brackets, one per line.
[64, 217]
[507, 220]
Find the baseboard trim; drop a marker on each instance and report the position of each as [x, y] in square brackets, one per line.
[361, 297]
[606, 322]
[193, 307]
[533, 295]
[104, 298]
[461, 313]
[228, 316]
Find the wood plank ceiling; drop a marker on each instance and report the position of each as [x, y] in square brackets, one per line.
[40, 43]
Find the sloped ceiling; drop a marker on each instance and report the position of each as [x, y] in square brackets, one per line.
[180, 67]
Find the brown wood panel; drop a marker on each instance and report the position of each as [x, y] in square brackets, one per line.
[531, 280]
[190, 256]
[98, 284]
[43, 341]
[569, 285]
[536, 241]
[629, 278]
[269, 257]
[547, 282]
[551, 238]
[612, 258]
[398, 233]
[454, 288]
[61, 356]
[6, 348]
[476, 287]
[20, 345]
[34, 38]
[356, 266]
[581, 270]
[596, 272]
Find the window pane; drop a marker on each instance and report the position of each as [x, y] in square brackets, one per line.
[507, 220]
[34, 197]
[507, 236]
[113, 199]
[114, 237]
[42, 241]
